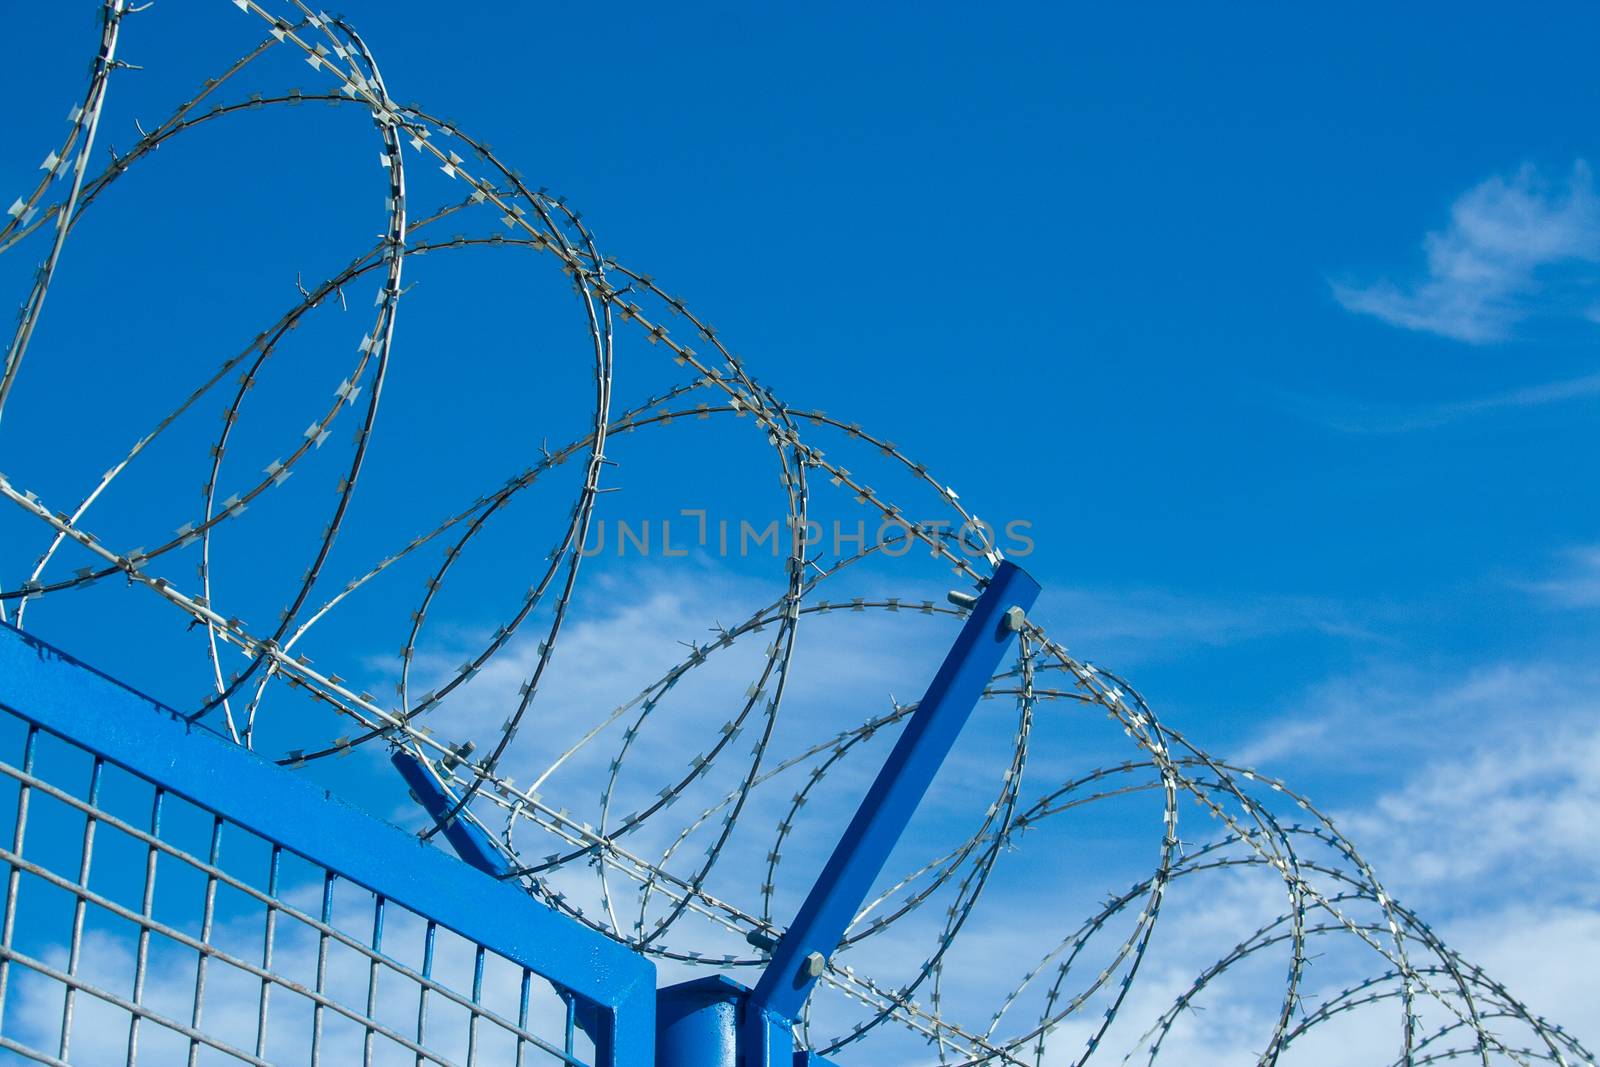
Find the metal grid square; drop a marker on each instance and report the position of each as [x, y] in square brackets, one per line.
[141, 927]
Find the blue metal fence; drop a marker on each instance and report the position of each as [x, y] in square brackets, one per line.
[171, 898]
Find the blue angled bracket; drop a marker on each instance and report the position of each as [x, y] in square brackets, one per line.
[800, 956]
[469, 841]
[475, 847]
[714, 1022]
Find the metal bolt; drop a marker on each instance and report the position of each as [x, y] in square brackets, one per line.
[960, 599]
[815, 964]
[458, 755]
[1014, 620]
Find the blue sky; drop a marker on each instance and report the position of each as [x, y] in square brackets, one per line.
[1276, 326]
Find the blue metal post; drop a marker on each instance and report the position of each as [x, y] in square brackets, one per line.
[769, 1012]
[697, 1023]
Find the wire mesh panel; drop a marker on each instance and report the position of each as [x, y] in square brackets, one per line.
[142, 925]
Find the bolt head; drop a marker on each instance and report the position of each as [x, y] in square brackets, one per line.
[815, 964]
[1014, 620]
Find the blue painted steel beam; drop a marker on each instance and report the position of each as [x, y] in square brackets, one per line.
[469, 841]
[842, 887]
[474, 846]
[44, 685]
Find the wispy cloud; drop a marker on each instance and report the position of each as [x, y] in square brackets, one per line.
[630, 636]
[1355, 416]
[1386, 718]
[1489, 842]
[1494, 264]
[1484, 837]
[1510, 811]
[1480, 824]
[1127, 626]
[1578, 586]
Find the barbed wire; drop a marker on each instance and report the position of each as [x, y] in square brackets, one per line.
[1071, 1004]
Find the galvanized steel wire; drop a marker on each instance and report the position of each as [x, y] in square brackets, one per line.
[1063, 1006]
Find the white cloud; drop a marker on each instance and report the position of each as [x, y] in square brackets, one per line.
[630, 634]
[1494, 847]
[1579, 586]
[1365, 417]
[1386, 718]
[1492, 793]
[1132, 625]
[1486, 271]
[1544, 953]
[1510, 816]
